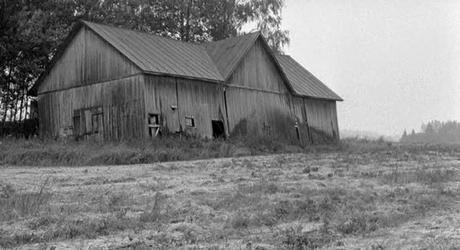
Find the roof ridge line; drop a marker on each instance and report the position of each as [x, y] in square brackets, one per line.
[141, 32]
[231, 37]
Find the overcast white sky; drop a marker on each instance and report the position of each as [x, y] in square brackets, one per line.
[395, 62]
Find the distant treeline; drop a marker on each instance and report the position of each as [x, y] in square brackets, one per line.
[434, 132]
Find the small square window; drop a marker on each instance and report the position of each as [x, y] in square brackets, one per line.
[189, 121]
[153, 122]
[153, 119]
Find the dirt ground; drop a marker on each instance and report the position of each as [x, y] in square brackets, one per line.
[389, 199]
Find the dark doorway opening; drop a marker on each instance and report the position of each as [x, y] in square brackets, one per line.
[218, 130]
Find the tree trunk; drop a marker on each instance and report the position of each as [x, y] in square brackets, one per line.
[187, 22]
[21, 106]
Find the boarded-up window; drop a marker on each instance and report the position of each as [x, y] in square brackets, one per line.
[87, 121]
[189, 121]
[96, 123]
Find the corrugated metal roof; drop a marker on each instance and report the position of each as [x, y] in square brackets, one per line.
[156, 54]
[303, 82]
[227, 53]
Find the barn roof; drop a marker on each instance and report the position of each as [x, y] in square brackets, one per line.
[211, 61]
[303, 82]
[156, 54]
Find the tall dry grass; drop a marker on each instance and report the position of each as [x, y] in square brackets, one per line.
[36, 152]
[15, 204]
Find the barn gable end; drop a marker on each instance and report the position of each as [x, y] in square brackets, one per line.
[87, 59]
[257, 70]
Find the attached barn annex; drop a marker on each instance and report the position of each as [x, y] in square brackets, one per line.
[114, 84]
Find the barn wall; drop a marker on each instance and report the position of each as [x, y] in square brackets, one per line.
[321, 115]
[257, 70]
[121, 102]
[259, 113]
[200, 100]
[299, 112]
[87, 60]
[258, 100]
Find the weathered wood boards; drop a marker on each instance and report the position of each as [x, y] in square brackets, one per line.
[176, 99]
[121, 101]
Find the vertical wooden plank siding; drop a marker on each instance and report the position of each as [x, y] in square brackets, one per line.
[87, 60]
[203, 101]
[259, 110]
[121, 101]
[322, 115]
[160, 98]
[256, 70]
[258, 99]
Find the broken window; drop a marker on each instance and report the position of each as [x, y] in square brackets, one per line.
[153, 121]
[189, 121]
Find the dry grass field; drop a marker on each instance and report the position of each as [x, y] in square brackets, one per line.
[390, 198]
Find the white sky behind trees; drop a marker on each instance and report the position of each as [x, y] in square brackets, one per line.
[395, 62]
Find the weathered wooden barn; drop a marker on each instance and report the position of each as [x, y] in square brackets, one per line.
[112, 83]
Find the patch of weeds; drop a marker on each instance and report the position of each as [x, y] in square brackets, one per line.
[234, 201]
[281, 160]
[63, 229]
[42, 222]
[359, 223]
[248, 164]
[240, 221]
[120, 180]
[191, 232]
[420, 175]
[295, 238]
[154, 213]
[110, 202]
[6, 191]
[153, 186]
[261, 187]
[18, 204]
[88, 228]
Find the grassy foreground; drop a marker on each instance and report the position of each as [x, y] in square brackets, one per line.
[84, 153]
[363, 195]
[35, 152]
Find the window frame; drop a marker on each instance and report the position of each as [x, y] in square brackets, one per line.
[192, 123]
